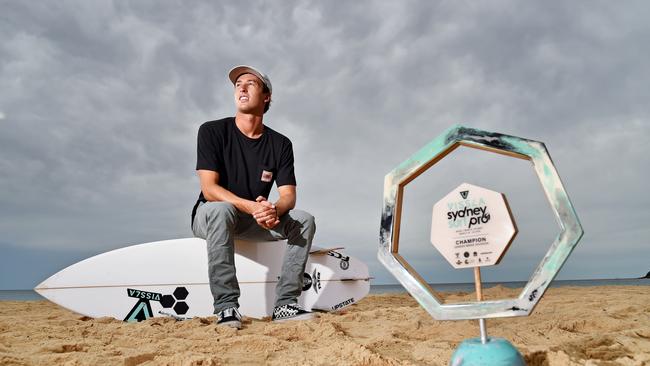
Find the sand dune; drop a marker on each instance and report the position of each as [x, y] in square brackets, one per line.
[571, 326]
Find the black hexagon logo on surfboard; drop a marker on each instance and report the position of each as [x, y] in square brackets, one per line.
[142, 309]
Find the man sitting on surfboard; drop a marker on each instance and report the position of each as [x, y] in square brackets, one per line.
[238, 159]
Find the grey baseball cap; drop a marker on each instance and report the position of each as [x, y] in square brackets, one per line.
[238, 71]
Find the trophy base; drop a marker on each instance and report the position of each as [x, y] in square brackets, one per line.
[496, 352]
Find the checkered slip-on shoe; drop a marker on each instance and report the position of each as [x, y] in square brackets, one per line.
[229, 317]
[288, 312]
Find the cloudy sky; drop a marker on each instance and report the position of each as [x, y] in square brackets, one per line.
[100, 103]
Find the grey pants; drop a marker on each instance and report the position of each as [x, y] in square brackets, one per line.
[220, 223]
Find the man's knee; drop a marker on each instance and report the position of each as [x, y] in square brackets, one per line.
[305, 219]
[219, 213]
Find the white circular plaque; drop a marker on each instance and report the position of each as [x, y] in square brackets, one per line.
[472, 226]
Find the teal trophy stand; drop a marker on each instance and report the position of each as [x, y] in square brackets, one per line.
[494, 352]
[485, 351]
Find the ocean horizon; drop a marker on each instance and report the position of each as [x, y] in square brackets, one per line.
[470, 287]
[31, 295]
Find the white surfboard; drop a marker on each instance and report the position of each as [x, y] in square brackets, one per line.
[170, 278]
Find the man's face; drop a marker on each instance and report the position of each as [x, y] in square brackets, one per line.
[249, 94]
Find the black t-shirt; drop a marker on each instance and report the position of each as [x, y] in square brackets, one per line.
[247, 167]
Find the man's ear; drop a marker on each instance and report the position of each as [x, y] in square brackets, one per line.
[268, 98]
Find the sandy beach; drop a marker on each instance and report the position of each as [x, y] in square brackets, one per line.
[607, 325]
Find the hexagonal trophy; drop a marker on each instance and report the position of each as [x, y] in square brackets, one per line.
[560, 249]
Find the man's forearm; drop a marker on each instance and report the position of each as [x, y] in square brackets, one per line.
[218, 193]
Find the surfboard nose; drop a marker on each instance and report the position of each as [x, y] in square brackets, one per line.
[45, 285]
[51, 282]
[39, 287]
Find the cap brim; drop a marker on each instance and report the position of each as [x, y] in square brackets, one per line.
[240, 70]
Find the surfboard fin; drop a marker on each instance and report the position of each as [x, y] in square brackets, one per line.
[318, 250]
[178, 318]
[356, 279]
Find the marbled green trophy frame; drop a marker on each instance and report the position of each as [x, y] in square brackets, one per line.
[534, 151]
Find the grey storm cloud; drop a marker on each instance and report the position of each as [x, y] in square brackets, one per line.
[100, 103]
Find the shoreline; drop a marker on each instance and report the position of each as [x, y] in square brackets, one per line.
[570, 326]
[30, 294]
